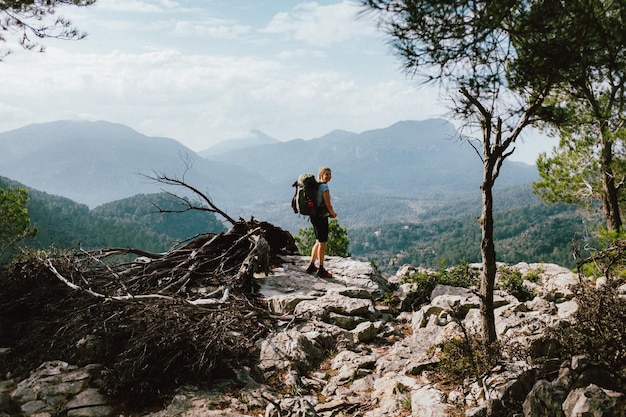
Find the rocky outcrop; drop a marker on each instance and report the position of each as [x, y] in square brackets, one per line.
[340, 350]
[581, 389]
[56, 388]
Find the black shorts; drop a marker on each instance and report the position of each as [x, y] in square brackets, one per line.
[320, 227]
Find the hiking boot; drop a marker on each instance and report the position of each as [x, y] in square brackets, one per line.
[311, 269]
[322, 273]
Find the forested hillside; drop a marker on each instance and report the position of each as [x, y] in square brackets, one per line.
[529, 232]
[442, 231]
[63, 223]
[143, 210]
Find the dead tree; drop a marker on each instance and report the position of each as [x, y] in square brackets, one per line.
[154, 320]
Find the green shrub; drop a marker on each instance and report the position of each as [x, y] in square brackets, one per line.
[599, 328]
[512, 282]
[456, 359]
[465, 358]
[534, 275]
[337, 244]
[15, 224]
[424, 282]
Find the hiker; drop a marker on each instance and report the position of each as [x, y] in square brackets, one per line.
[320, 224]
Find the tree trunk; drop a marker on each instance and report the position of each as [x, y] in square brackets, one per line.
[610, 205]
[488, 254]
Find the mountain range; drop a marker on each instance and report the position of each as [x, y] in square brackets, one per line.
[388, 174]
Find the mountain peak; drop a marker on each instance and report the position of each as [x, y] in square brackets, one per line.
[254, 138]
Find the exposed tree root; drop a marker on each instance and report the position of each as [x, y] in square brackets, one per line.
[155, 320]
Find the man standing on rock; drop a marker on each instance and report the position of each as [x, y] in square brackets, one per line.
[320, 223]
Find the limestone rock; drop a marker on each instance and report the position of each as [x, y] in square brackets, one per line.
[296, 407]
[88, 403]
[428, 402]
[594, 401]
[57, 387]
[288, 350]
[365, 332]
[351, 365]
[338, 350]
[545, 399]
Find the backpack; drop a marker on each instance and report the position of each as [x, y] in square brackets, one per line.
[303, 201]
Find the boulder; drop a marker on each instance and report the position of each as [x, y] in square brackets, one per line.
[545, 399]
[288, 350]
[594, 401]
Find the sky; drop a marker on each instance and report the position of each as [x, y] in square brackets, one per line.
[205, 71]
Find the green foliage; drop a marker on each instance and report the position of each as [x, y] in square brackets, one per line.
[457, 359]
[599, 328]
[157, 213]
[337, 244]
[305, 239]
[405, 401]
[66, 224]
[609, 260]
[586, 166]
[608, 237]
[132, 222]
[569, 175]
[534, 275]
[532, 233]
[575, 174]
[454, 358]
[14, 219]
[512, 281]
[458, 40]
[464, 358]
[423, 282]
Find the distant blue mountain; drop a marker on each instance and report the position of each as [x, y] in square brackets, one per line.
[389, 174]
[406, 159]
[98, 162]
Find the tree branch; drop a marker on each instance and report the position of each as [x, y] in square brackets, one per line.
[164, 179]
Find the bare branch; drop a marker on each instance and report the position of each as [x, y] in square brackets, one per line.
[172, 181]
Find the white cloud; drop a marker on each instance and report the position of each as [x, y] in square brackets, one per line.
[215, 72]
[201, 99]
[300, 53]
[315, 24]
[136, 6]
[212, 28]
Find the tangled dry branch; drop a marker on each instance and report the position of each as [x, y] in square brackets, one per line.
[155, 320]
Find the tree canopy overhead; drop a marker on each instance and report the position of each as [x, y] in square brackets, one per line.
[589, 164]
[32, 20]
